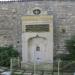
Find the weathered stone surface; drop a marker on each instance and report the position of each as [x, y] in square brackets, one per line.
[64, 18]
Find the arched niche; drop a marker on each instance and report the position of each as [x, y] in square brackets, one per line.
[36, 49]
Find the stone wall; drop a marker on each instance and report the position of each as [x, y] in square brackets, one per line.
[64, 20]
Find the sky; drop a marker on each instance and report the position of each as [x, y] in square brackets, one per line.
[7, 0]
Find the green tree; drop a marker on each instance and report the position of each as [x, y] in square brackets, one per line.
[6, 53]
[70, 46]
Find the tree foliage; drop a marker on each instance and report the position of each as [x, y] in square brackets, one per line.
[70, 46]
[6, 53]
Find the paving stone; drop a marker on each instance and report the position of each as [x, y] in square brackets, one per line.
[27, 73]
